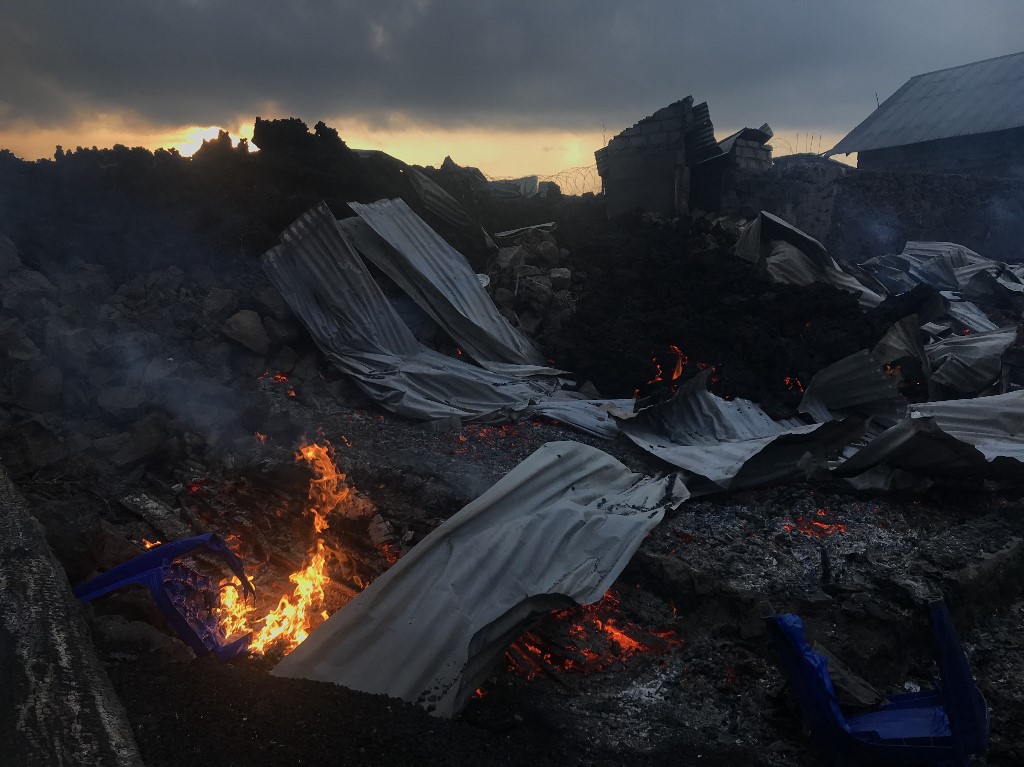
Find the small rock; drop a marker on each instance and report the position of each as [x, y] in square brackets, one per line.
[509, 258]
[146, 438]
[561, 278]
[548, 254]
[246, 328]
[284, 360]
[220, 303]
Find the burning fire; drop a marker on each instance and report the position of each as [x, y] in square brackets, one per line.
[150, 544]
[294, 617]
[814, 527]
[682, 361]
[598, 636]
[794, 384]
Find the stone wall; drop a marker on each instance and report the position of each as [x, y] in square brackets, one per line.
[999, 154]
[877, 213]
[859, 214]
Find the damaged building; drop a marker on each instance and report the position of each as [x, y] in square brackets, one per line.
[964, 120]
[664, 160]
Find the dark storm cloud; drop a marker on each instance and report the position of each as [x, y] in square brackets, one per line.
[550, 63]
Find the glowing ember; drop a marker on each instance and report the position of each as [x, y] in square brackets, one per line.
[260, 438]
[814, 527]
[150, 544]
[294, 617]
[794, 384]
[598, 636]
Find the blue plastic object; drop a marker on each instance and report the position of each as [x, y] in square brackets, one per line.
[185, 597]
[936, 727]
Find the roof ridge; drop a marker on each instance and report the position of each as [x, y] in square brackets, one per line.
[968, 64]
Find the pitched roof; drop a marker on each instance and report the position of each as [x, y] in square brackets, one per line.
[973, 98]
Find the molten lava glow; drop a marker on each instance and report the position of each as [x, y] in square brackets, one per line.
[150, 544]
[293, 618]
[814, 527]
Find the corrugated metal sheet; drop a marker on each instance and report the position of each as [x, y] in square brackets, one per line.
[973, 98]
[983, 436]
[855, 385]
[555, 531]
[440, 280]
[327, 285]
[731, 443]
[700, 136]
[968, 364]
[794, 257]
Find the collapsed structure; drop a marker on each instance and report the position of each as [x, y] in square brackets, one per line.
[655, 164]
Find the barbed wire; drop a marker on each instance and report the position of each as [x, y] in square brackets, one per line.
[576, 181]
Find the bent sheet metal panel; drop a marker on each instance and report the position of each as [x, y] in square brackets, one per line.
[732, 443]
[556, 530]
[971, 436]
[441, 281]
[327, 285]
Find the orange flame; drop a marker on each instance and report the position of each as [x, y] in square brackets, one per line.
[293, 618]
[150, 544]
[601, 624]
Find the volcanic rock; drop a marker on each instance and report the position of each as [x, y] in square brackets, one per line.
[561, 278]
[121, 402]
[509, 258]
[220, 303]
[284, 360]
[246, 328]
[121, 639]
[144, 440]
[546, 254]
[9, 260]
[15, 342]
[36, 385]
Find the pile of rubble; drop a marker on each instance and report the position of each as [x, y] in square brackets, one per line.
[532, 282]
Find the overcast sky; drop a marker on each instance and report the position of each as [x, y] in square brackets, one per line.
[441, 67]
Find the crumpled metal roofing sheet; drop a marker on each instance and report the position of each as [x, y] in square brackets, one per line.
[794, 257]
[330, 289]
[974, 436]
[555, 531]
[442, 283]
[855, 385]
[973, 98]
[731, 443]
[968, 364]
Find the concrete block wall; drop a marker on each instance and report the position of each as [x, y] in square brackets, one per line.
[644, 166]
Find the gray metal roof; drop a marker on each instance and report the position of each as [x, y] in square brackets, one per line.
[961, 101]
